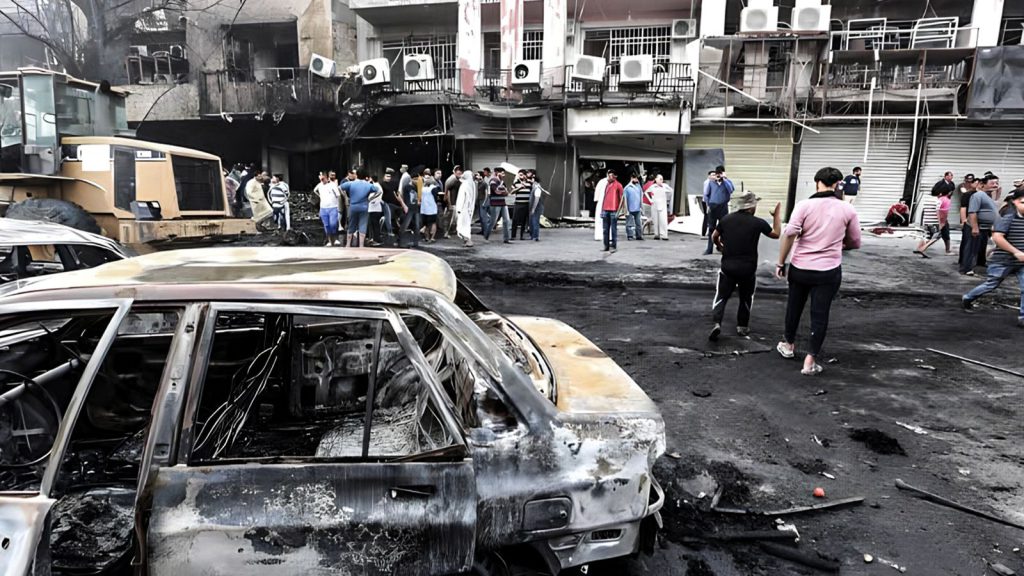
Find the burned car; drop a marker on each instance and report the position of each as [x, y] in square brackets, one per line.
[308, 411]
[32, 248]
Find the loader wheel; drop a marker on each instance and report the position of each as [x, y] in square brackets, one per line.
[56, 211]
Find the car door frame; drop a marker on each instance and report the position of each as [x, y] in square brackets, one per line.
[178, 458]
[31, 509]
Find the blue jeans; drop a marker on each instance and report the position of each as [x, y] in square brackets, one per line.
[997, 272]
[498, 213]
[535, 221]
[485, 215]
[411, 217]
[329, 216]
[634, 226]
[610, 220]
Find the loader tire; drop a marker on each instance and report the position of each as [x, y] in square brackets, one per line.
[56, 211]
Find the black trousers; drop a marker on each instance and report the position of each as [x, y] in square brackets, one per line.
[972, 249]
[821, 287]
[520, 220]
[715, 213]
[727, 283]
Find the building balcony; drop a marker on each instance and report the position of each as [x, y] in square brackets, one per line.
[406, 12]
[670, 84]
[270, 91]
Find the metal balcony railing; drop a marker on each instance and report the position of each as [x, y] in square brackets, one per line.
[289, 90]
[670, 81]
[445, 80]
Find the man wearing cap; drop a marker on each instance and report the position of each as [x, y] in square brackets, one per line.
[737, 237]
[1008, 234]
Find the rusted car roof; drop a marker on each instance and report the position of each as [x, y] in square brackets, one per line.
[323, 267]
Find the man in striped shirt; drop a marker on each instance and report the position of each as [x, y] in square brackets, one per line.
[1008, 234]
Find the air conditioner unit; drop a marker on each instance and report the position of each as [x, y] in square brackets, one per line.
[526, 73]
[589, 69]
[810, 15]
[684, 29]
[375, 71]
[418, 67]
[760, 19]
[321, 66]
[636, 69]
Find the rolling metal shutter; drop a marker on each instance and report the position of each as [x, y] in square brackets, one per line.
[972, 150]
[480, 159]
[757, 158]
[884, 173]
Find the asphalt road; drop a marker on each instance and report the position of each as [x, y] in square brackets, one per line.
[740, 417]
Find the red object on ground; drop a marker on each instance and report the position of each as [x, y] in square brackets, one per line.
[819, 492]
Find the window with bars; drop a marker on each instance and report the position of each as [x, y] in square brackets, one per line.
[533, 44]
[614, 43]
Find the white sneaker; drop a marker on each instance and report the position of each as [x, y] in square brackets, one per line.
[337, 242]
[328, 243]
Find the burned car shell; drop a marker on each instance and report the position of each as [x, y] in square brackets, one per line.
[18, 237]
[570, 477]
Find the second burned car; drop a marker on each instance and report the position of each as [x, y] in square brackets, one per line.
[287, 411]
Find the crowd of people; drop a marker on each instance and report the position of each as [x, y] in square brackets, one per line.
[823, 226]
[401, 209]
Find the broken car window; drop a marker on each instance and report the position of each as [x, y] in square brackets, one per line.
[296, 386]
[42, 361]
[475, 400]
[93, 519]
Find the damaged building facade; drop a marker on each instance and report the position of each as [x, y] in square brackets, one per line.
[772, 89]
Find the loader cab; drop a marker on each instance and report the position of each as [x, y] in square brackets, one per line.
[38, 108]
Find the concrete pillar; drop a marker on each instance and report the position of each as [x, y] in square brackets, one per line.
[986, 19]
[555, 13]
[511, 33]
[470, 45]
[712, 17]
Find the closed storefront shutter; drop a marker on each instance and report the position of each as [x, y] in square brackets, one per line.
[757, 158]
[480, 159]
[974, 150]
[884, 173]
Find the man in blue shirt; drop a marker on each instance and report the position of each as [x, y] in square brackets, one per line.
[634, 205]
[717, 193]
[358, 187]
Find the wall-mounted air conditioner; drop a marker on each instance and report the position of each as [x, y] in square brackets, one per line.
[375, 71]
[526, 73]
[685, 29]
[589, 69]
[321, 66]
[418, 67]
[636, 69]
[759, 16]
[810, 15]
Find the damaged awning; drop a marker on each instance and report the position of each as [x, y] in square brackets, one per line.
[408, 122]
[622, 152]
[495, 122]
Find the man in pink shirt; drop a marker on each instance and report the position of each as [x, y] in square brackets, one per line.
[818, 231]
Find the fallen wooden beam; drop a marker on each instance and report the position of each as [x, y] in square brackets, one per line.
[799, 557]
[795, 510]
[935, 498]
[976, 362]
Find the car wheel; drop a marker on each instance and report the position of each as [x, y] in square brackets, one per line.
[56, 211]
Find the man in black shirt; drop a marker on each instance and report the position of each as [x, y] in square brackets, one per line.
[944, 185]
[737, 237]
